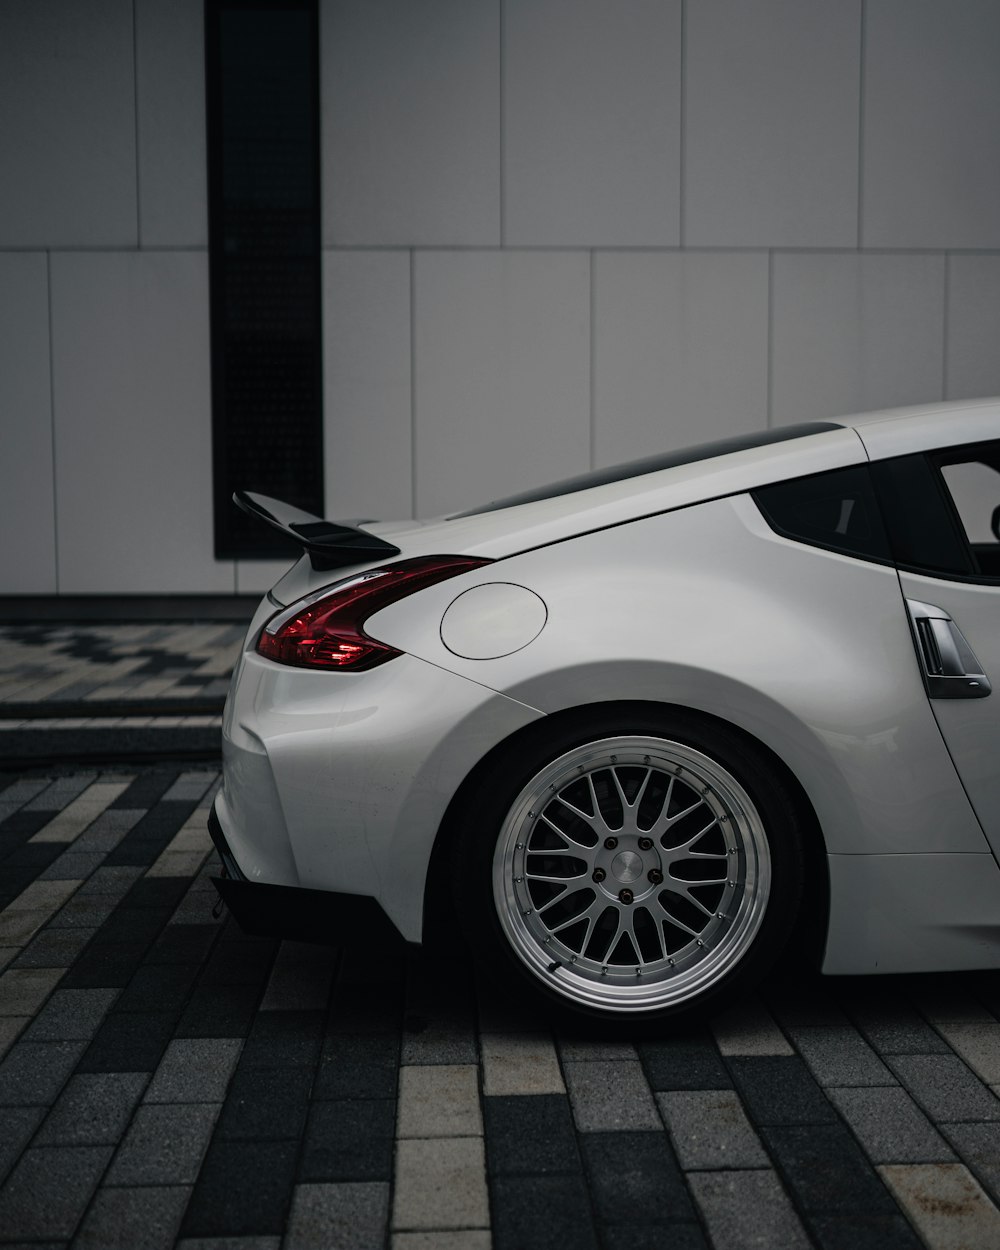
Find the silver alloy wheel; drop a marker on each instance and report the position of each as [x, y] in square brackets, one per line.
[631, 874]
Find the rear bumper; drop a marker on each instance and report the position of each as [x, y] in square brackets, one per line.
[284, 911]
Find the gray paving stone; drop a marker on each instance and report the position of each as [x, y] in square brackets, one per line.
[61, 792]
[33, 1073]
[114, 879]
[24, 790]
[978, 1043]
[894, 1028]
[189, 787]
[440, 1183]
[747, 1209]
[447, 1038]
[19, 1125]
[978, 1146]
[195, 1069]
[945, 1088]
[440, 1239]
[606, 1095]
[71, 1014]
[73, 865]
[165, 1144]
[839, 1055]
[84, 911]
[439, 1101]
[348, 1215]
[122, 1219]
[890, 1126]
[11, 1027]
[584, 1050]
[54, 948]
[47, 1192]
[93, 1110]
[23, 990]
[520, 1063]
[710, 1130]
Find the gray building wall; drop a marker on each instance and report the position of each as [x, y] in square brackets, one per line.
[557, 234]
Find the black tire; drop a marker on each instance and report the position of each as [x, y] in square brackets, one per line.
[678, 844]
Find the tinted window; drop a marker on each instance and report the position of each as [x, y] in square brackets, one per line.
[653, 464]
[835, 510]
[919, 518]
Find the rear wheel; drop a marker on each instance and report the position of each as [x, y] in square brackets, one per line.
[635, 870]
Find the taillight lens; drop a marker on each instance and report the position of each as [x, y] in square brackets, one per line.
[325, 630]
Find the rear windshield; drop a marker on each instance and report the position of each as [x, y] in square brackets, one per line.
[653, 464]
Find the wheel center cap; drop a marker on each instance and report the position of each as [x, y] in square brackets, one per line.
[627, 866]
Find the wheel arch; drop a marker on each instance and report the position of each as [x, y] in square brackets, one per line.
[809, 937]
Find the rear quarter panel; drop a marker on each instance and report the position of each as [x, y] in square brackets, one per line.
[707, 608]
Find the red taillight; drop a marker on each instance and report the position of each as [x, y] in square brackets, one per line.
[325, 630]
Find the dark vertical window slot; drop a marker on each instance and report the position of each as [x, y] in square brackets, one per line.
[262, 72]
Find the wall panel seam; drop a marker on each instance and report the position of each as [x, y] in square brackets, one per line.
[135, 126]
[52, 419]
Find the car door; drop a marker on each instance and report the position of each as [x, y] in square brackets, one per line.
[942, 510]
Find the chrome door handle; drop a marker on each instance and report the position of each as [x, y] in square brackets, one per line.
[949, 665]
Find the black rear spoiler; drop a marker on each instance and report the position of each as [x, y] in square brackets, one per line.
[330, 544]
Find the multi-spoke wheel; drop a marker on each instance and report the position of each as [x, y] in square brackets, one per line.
[633, 874]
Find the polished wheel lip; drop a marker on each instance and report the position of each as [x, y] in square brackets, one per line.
[654, 984]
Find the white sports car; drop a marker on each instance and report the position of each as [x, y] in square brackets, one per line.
[646, 729]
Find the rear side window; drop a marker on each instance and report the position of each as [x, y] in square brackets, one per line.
[835, 510]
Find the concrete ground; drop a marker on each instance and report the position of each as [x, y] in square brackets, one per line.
[166, 1080]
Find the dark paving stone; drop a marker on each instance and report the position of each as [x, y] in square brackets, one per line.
[864, 1232]
[265, 1104]
[123, 1218]
[47, 1192]
[244, 1188]
[163, 987]
[83, 911]
[541, 1213]
[635, 1178]
[284, 1038]
[358, 1067]
[239, 963]
[826, 1170]
[147, 789]
[365, 1010]
[129, 1042]
[687, 1062]
[182, 944]
[165, 1145]
[31, 860]
[945, 1087]
[219, 1011]
[105, 965]
[352, 1140]
[93, 1110]
[71, 1014]
[530, 1135]
[22, 825]
[654, 1237]
[779, 1089]
[158, 893]
[33, 1073]
[19, 1125]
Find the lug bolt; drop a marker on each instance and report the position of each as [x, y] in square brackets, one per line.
[599, 874]
[611, 843]
[625, 896]
[655, 876]
[645, 844]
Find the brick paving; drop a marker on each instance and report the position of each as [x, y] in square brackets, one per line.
[167, 1081]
